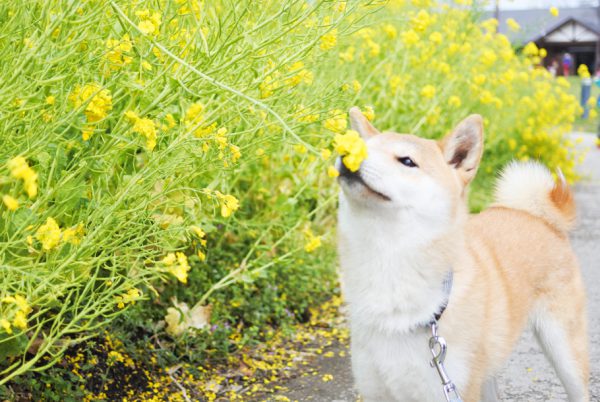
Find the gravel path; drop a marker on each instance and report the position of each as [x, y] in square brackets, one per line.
[527, 376]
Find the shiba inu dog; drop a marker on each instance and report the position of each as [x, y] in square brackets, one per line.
[404, 228]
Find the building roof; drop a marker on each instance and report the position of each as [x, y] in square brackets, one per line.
[537, 23]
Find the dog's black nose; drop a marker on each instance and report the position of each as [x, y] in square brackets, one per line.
[347, 173]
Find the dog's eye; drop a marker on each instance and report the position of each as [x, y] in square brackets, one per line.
[406, 161]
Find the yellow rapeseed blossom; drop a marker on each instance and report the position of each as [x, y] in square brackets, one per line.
[337, 121]
[329, 40]
[49, 234]
[409, 38]
[352, 148]
[369, 113]
[436, 37]
[116, 54]
[10, 202]
[177, 264]
[149, 22]
[5, 324]
[454, 101]
[583, 71]
[313, 242]
[428, 91]
[531, 49]
[513, 25]
[19, 317]
[19, 169]
[98, 103]
[229, 204]
[390, 31]
[20, 320]
[50, 100]
[194, 117]
[332, 172]
[131, 297]
[73, 234]
[145, 127]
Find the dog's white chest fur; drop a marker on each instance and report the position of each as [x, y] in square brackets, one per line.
[391, 299]
[395, 368]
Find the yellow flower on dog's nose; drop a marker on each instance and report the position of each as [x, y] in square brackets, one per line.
[352, 148]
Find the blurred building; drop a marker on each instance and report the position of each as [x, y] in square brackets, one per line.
[575, 31]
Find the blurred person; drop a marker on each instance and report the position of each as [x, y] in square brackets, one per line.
[567, 62]
[553, 68]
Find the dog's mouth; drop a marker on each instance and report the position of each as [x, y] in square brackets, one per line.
[355, 177]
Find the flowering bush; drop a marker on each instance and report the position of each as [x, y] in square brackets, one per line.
[182, 150]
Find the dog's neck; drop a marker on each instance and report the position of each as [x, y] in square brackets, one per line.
[393, 272]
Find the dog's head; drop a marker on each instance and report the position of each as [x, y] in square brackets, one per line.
[407, 174]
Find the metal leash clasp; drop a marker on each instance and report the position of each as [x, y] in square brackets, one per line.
[438, 347]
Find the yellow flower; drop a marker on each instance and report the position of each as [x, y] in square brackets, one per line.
[170, 120]
[177, 264]
[348, 55]
[98, 101]
[4, 323]
[49, 234]
[73, 235]
[329, 40]
[115, 55]
[313, 243]
[50, 100]
[10, 202]
[198, 231]
[530, 49]
[327, 377]
[337, 122]
[229, 204]
[428, 91]
[149, 22]
[390, 31]
[409, 37]
[454, 101]
[513, 25]
[332, 172]
[325, 154]
[131, 296]
[20, 320]
[194, 115]
[583, 71]
[19, 169]
[145, 127]
[436, 38]
[352, 148]
[554, 11]
[369, 113]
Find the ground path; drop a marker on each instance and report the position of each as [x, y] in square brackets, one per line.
[527, 376]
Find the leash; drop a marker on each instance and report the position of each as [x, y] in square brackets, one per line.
[438, 348]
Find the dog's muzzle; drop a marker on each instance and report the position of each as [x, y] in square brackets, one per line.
[355, 177]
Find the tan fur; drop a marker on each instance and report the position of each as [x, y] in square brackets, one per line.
[511, 266]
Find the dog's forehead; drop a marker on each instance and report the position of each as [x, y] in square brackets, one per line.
[406, 142]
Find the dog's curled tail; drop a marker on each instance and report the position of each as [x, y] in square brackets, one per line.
[529, 186]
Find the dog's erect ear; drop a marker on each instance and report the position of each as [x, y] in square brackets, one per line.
[463, 147]
[361, 124]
